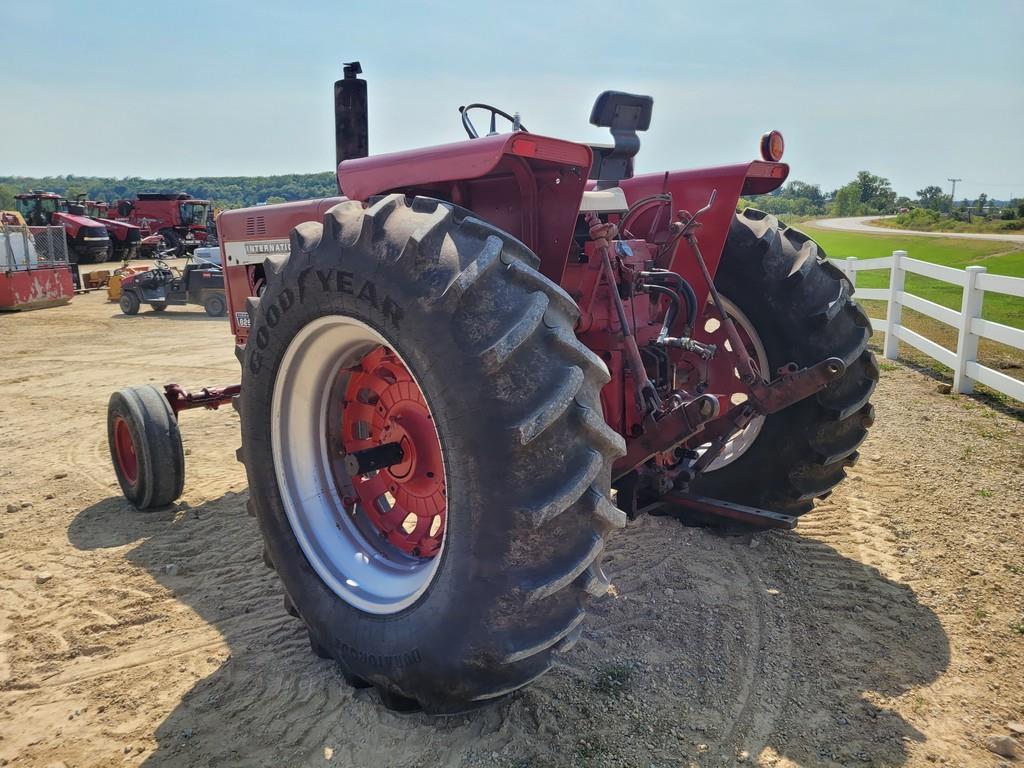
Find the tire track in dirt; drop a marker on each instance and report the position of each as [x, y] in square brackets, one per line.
[88, 457]
[702, 623]
[850, 569]
[853, 522]
[768, 680]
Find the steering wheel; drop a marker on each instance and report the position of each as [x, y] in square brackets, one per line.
[471, 129]
[161, 264]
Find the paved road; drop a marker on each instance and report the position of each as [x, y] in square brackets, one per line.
[859, 224]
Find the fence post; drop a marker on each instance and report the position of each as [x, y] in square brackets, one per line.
[967, 342]
[894, 313]
[850, 268]
[9, 249]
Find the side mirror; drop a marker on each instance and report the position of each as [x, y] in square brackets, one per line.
[624, 114]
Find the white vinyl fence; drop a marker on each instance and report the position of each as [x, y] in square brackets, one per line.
[968, 322]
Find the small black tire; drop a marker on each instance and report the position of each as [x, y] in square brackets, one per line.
[802, 308]
[158, 306]
[515, 398]
[214, 305]
[145, 447]
[129, 303]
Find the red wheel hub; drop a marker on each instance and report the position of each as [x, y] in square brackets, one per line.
[124, 446]
[406, 501]
[723, 378]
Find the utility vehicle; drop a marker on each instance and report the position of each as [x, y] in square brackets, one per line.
[201, 282]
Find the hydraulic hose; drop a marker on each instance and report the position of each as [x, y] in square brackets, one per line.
[673, 308]
[681, 287]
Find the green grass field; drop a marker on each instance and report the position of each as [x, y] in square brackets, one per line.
[1000, 259]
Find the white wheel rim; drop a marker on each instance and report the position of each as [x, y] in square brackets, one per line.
[368, 574]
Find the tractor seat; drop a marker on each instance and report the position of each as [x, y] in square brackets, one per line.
[624, 114]
[154, 278]
[610, 200]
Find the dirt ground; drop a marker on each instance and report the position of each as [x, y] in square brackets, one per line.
[887, 630]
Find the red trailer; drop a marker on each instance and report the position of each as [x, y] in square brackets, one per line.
[34, 269]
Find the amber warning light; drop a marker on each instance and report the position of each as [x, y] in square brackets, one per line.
[772, 146]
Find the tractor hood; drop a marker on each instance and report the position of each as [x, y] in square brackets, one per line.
[120, 226]
[73, 219]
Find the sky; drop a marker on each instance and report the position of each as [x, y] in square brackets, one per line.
[914, 91]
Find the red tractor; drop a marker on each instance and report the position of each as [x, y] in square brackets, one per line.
[178, 217]
[462, 375]
[125, 238]
[88, 240]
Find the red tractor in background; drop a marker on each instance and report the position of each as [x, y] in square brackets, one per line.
[462, 375]
[125, 238]
[181, 219]
[88, 240]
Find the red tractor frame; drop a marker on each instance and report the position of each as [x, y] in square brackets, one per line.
[462, 374]
[88, 239]
[125, 238]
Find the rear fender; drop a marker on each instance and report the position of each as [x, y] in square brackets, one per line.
[690, 192]
[523, 183]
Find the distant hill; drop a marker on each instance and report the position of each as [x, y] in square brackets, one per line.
[224, 191]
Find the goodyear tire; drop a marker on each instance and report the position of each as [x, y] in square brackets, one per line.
[145, 446]
[801, 307]
[513, 396]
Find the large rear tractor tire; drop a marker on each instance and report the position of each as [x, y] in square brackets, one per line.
[145, 446]
[797, 308]
[426, 453]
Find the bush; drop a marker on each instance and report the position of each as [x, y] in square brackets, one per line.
[925, 220]
[919, 218]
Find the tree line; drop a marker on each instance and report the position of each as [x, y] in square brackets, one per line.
[222, 191]
[867, 195]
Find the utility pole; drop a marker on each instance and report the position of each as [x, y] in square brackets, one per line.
[952, 195]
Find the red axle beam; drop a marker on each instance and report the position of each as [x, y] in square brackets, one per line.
[208, 397]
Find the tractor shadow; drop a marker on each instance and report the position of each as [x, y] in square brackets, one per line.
[171, 313]
[821, 700]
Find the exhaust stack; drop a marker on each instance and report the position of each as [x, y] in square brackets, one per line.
[351, 131]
